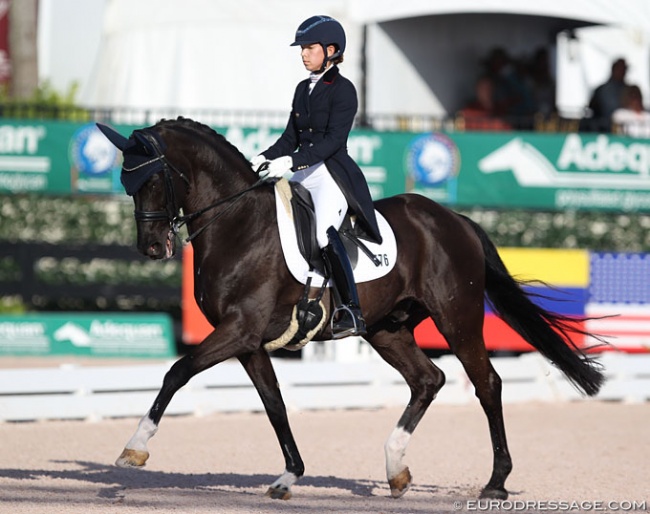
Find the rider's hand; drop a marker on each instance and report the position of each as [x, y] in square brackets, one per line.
[257, 161]
[278, 167]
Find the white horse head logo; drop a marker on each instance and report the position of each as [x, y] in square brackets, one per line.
[529, 166]
[73, 333]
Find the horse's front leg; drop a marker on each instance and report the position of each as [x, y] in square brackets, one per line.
[260, 370]
[214, 349]
[135, 453]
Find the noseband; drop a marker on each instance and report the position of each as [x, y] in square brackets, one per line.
[172, 209]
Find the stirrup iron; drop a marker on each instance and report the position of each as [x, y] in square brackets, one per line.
[347, 320]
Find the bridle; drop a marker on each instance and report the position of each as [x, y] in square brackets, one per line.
[171, 213]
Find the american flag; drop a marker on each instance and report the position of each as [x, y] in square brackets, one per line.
[619, 288]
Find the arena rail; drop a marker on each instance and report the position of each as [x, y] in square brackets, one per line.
[96, 392]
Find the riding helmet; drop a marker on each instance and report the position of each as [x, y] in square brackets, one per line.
[321, 29]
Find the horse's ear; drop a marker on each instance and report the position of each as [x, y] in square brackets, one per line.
[146, 145]
[113, 136]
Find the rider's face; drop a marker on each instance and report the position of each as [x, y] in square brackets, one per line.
[313, 56]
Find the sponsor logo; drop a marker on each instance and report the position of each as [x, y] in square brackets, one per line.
[600, 164]
[85, 335]
[73, 333]
[91, 152]
[432, 159]
[20, 168]
[107, 330]
[95, 162]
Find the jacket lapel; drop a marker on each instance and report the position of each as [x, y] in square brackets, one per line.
[328, 78]
[302, 97]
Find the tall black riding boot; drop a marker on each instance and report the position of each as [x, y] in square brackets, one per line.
[347, 319]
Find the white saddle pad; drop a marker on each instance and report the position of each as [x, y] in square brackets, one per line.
[364, 271]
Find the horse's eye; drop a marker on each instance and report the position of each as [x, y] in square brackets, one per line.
[155, 182]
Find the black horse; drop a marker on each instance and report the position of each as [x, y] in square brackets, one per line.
[446, 268]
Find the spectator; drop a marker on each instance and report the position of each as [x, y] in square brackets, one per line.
[607, 97]
[480, 113]
[512, 96]
[632, 119]
[542, 84]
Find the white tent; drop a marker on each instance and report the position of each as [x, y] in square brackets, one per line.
[413, 56]
[606, 12]
[209, 54]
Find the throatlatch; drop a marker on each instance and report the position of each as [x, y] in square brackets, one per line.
[347, 319]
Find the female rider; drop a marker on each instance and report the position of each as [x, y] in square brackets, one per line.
[314, 147]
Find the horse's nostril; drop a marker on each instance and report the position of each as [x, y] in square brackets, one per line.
[154, 250]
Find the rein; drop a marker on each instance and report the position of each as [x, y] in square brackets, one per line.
[171, 213]
[179, 221]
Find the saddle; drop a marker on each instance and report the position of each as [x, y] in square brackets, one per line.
[297, 226]
[304, 220]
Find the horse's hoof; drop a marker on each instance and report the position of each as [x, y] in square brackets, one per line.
[400, 483]
[132, 458]
[494, 493]
[278, 493]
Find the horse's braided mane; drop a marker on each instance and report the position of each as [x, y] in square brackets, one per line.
[188, 123]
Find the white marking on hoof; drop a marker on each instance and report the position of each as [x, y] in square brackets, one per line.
[135, 452]
[400, 483]
[132, 459]
[399, 476]
[281, 488]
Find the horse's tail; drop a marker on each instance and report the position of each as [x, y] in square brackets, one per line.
[546, 331]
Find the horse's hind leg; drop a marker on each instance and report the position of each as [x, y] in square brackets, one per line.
[398, 349]
[465, 338]
[260, 370]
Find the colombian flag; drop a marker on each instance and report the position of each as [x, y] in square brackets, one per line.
[611, 288]
[562, 278]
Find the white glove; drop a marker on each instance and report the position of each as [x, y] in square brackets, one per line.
[257, 161]
[278, 167]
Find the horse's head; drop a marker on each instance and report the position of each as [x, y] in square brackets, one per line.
[156, 186]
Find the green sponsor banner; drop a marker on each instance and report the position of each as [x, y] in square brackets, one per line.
[487, 169]
[379, 154]
[56, 157]
[115, 335]
[528, 170]
[503, 170]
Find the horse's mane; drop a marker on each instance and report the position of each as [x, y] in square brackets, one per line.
[196, 126]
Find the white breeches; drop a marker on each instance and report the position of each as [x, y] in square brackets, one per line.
[329, 203]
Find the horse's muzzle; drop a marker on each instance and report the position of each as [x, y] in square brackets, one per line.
[161, 250]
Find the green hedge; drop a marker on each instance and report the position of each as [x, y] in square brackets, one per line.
[109, 220]
[598, 231]
[93, 220]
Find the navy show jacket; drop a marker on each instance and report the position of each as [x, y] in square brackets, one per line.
[318, 130]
